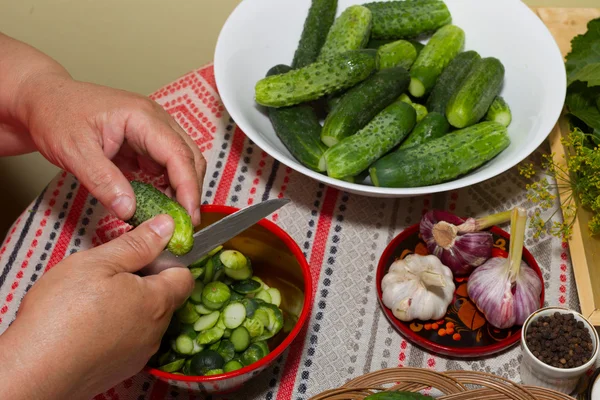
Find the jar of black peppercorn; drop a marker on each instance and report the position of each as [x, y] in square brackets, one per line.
[559, 345]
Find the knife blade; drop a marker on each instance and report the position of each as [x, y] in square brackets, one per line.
[215, 235]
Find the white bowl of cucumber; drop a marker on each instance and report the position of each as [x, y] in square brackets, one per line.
[370, 110]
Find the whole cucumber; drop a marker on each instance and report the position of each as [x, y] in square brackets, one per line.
[151, 202]
[361, 103]
[450, 80]
[474, 96]
[407, 19]
[443, 46]
[298, 128]
[315, 80]
[442, 159]
[350, 31]
[499, 111]
[316, 26]
[433, 126]
[396, 54]
[354, 154]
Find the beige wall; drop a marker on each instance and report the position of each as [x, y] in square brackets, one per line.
[137, 45]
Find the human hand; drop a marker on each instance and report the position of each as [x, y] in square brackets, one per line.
[95, 132]
[90, 322]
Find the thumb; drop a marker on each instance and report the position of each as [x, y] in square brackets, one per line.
[134, 250]
[174, 283]
[104, 180]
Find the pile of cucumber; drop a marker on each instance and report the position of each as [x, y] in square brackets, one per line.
[403, 113]
[225, 323]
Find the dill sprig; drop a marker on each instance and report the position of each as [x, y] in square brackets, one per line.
[578, 182]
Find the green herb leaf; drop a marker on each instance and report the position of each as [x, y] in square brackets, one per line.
[585, 50]
[581, 102]
[589, 73]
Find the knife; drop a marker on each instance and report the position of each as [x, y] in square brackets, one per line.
[215, 235]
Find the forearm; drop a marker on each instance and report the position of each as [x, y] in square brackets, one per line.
[22, 67]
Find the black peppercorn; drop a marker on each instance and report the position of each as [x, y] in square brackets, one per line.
[559, 340]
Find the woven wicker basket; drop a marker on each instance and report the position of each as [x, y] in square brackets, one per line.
[455, 385]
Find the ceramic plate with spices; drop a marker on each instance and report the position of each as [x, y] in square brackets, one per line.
[463, 331]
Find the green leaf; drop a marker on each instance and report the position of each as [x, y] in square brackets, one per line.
[581, 102]
[589, 73]
[585, 50]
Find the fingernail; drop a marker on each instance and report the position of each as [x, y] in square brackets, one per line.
[162, 225]
[197, 216]
[122, 206]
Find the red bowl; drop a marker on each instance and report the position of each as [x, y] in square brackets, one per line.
[271, 249]
[482, 341]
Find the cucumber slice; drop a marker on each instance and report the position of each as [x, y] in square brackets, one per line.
[215, 295]
[201, 309]
[264, 346]
[208, 271]
[240, 337]
[207, 321]
[275, 296]
[252, 354]
[173, 366]
[232, 365]
[227, 333]
[186, 367]
[221, 322]
[227, 350]
[262, 315]
[197, 273]
[263, 284]
[197, 348]
[263, 295]
[233, 259]
[233, 315]
[235, 296]
[184, 344]
[210, 336]
[205, 361]
[196, 296]
[247, 286]
[187, 314]
[217, 371]
[254, 326]
[251, 306]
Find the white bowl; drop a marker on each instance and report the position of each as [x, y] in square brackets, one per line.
[536, 373]
[262, 33]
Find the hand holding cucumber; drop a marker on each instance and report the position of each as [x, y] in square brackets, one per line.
[92, 131]
[89, 322]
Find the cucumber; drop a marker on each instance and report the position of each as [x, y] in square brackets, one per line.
[315, 80]
[298, 128]
[433, 126]
[396, 54]
[443, 46]
[354, 154]
[407, 19]
[476, 93]
[151, 202]
[441, 159]
[421, 110]
[499, 111]
[350, 31]
[321, 15]
[361, 103]
[450, 80]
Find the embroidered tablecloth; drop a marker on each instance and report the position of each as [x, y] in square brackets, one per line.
[342, 236]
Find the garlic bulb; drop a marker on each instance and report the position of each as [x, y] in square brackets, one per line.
[418, 287]
[507, 290]
[460, 244]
